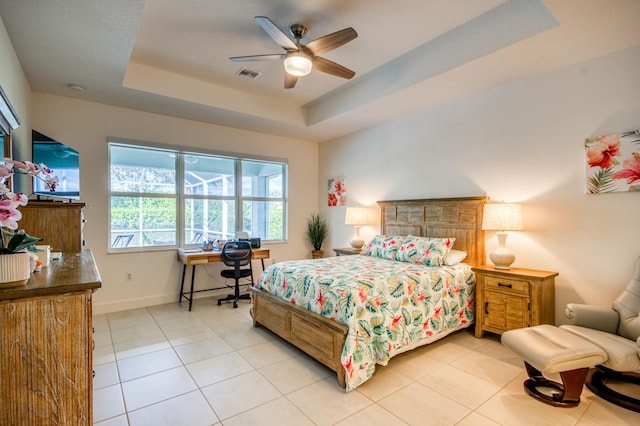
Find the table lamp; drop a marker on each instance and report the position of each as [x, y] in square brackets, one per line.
[356, 216]
[502, 217]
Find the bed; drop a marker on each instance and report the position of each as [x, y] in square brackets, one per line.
[354, 312]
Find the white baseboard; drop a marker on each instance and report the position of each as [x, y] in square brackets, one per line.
[143, 302]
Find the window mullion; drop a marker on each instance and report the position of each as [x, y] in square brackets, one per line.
[239, 197]
[180, 204]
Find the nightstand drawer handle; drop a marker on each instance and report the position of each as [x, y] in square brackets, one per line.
[505, 285]
[486, 308]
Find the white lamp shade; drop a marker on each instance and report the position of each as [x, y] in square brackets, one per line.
[502, 217]
[356, 216]
[298, 64]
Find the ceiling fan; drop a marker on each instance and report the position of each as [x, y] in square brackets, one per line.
[300, 58]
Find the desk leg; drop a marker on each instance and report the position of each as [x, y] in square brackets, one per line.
[262, 260]
[193, 275]
[184, 271]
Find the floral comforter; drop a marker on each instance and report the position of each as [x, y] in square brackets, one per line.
[388, 306]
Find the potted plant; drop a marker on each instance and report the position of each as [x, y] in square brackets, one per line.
[317, 231]
[15, 261]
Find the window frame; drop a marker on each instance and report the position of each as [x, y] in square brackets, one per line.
[181, 196]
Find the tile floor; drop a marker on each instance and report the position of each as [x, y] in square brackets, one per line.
[163, 365]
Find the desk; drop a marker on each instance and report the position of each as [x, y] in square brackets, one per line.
[194, 258]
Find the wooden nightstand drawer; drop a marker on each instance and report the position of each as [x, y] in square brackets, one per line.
[506, 285]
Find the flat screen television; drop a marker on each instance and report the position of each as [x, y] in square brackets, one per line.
[63, 160]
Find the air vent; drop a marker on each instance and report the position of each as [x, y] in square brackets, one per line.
[244, 72]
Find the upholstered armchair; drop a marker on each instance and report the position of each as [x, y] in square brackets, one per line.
[615, 330]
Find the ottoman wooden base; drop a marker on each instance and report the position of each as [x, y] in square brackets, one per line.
[569, 390]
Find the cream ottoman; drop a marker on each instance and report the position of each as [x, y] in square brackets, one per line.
[549, 349]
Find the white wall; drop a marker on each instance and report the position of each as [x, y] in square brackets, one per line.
[85, 126]
[523, 142]
[16, 87]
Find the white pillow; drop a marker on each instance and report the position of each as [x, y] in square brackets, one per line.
[454, 257]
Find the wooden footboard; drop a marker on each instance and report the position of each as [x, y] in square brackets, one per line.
[321, 338]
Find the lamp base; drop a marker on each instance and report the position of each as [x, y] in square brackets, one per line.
[502, 257]
[357, 243]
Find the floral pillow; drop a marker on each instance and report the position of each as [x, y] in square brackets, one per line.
[424, 250]
[384, 246]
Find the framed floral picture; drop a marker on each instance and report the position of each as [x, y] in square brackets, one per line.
[613, 162]
[337, 192]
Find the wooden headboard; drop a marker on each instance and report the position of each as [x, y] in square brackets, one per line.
[459, 218]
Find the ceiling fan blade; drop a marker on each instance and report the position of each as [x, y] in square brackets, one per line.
[276, 33]
[289, 80]
[257, 57]
[330, 67]
[331, 41]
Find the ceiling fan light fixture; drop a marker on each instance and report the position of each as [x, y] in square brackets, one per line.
[298, 64]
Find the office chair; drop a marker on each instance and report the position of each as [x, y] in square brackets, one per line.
[236, 255]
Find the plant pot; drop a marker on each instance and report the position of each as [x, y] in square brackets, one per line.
[317, 254]
[15, 269]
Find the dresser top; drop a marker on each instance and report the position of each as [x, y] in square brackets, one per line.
[73, 272]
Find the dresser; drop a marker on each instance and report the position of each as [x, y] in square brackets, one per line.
[46, 343]
[59, 224]
[513, 298]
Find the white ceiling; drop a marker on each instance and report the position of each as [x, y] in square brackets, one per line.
[171, 56]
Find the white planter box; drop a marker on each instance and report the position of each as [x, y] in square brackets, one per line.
[15, 269]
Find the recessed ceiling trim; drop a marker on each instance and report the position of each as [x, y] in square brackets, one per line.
[178, 86]
[507, 24]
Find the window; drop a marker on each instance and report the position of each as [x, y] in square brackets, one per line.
[155, 193]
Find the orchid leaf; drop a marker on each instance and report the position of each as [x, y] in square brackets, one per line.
[18, 242]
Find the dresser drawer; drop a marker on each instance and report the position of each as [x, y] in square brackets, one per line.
[506, 285]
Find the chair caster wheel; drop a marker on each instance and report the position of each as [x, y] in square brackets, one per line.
[235, 305]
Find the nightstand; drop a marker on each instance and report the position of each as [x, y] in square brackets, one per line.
[513, 298]
[346, 251]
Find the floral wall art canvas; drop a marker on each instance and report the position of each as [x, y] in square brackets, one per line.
[337, 195]
[613, 162]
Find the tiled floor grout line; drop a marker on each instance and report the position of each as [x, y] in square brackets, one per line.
[115, 360]
[183, 365]
[200, 388]
[463, 354]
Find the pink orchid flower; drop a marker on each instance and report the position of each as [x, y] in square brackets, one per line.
[9, 216]
[19, 199]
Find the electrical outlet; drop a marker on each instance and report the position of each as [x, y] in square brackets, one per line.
[128, 276]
